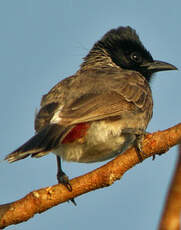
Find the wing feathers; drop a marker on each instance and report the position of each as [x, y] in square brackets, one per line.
[89, 97]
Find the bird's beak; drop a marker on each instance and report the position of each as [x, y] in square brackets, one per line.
[157, 66]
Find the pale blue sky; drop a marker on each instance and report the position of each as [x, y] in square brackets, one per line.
[41, 42]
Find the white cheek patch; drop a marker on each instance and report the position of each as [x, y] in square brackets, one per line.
[56, 117]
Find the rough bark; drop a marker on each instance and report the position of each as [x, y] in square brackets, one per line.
[40, 200]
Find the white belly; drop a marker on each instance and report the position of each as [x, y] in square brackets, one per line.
[103, 140]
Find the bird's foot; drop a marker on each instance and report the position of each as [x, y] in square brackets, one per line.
[138, 143]
[63, 179]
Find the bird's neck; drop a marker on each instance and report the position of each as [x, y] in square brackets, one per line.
[97, 58]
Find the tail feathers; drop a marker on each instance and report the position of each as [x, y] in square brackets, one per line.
[40, 144]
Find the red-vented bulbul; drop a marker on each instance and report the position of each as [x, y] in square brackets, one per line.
[102, 109]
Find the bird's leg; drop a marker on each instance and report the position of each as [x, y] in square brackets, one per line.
[138, 145]
[139, 141]
[63, 178]
[139, 134]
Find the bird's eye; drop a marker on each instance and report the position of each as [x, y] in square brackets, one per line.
[136, 57]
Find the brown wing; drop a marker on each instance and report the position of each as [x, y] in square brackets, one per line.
[95, 96]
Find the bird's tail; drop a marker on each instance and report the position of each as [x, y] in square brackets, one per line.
[40, 144]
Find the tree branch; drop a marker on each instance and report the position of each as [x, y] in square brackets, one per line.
[171, 217]
[40, 200]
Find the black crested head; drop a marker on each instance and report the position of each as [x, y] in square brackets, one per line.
[125, 49]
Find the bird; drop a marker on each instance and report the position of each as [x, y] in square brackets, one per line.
[101, 110]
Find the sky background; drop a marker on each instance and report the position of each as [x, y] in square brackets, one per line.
[42, 42]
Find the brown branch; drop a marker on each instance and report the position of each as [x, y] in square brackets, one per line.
[40, 200]
[171, 217]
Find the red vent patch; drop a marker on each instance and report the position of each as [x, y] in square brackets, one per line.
[77, 132]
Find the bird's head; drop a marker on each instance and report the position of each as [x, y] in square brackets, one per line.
[125, 49]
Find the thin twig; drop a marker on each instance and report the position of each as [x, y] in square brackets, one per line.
[171, 217]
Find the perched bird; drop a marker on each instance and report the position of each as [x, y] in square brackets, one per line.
[100, 111]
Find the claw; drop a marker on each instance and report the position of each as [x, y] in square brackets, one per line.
[73, 201]
[139, 141]
[63, 179]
